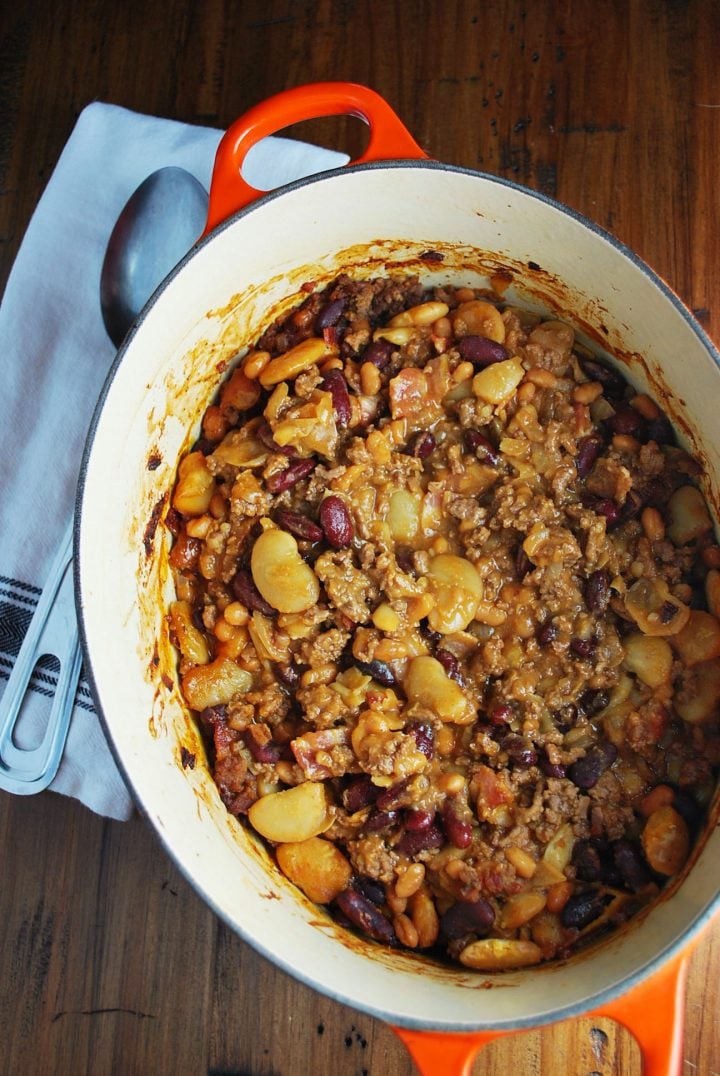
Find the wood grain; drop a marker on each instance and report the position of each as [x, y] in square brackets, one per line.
[109, 962]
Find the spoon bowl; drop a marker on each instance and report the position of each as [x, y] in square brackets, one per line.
[158, 225]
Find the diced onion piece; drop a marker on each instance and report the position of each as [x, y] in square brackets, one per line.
[559, 849]
[654, 609]
[521, 908]
[190, 639]
[240, 448]
[215, 684]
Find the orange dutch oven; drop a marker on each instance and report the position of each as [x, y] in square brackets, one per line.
[380, 212]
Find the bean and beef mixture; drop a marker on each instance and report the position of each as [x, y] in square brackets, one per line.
[447, 613]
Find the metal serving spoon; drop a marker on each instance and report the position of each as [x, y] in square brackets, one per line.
[157, 227]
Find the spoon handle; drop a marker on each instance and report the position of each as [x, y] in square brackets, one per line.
[53, 631]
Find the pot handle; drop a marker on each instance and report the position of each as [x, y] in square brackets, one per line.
[653, 1012]
[389, 138]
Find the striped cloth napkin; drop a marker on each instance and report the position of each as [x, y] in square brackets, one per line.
[54, 356]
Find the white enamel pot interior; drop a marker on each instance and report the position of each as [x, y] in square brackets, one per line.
[364, 219]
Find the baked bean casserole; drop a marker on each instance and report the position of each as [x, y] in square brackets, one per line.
[447, 614]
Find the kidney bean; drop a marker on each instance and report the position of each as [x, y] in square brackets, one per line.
[330, 314]
[626, 420]
[404, 558]
[261, 752]
[422, 445]
[379, 671]
[547, 633]
[592, 702]
[632, 507]
[336, 521]
[609, 510]
[390, 797]
[631, 866]
[417, 820]
[458, 832]
[204, 445]
[689, 808]
[480, 351]
[265, 434]
[363, 914]
[380, 820]
[246, 592]
[481, 446]
[334, 383]
[360, 793]
[465, 917]
[523, 564]
[612, 382]
[288, 675]
[299, 525]
[587, 771]
[588, 451]
[432, 638]
[412, 843]
[583, 648]
[657, 491]
[581, 909]
[293, 473]
[586, 860]
[174, 521]
[500, 714]
[552, 769]
[212, 716]
[660, 430]
[450, 664]
[565, 717]
[369, 888]
[379, 353]
[597, 592]
[520, 752]
[423, 737]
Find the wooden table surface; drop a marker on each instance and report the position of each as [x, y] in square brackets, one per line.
[109, 962]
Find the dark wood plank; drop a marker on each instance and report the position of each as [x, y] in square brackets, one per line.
[110, 961]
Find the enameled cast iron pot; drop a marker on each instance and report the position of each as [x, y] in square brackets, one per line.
[380, 213]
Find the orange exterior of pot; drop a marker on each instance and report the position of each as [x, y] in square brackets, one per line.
[389, 138]
[653, 1012]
